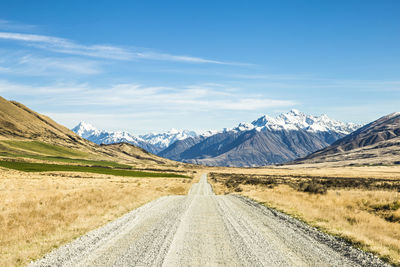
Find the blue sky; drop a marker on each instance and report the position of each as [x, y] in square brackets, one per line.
[148, 66]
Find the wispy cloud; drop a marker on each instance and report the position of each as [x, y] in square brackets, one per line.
[30, 65]
[142, 108]
[65, 46]
[15, 26]
[136, 97]
[46, 65]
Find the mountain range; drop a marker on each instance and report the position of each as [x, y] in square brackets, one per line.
[263, 141]
[266, 140]
[152, 142]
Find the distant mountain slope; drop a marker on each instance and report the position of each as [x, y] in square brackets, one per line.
[254, 148]
[265, 141]
[376, 141]
[175, 150]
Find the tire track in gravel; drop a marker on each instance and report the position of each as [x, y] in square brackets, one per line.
[203, 229]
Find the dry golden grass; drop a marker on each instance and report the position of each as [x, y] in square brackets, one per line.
[40, 212]
[355, 214]
[388, 172]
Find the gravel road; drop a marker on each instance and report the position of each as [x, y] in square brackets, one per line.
[203, 229]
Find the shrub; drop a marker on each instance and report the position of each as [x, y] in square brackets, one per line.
[312, 187]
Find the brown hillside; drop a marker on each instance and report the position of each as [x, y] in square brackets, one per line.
[19, 123]
[376, 143]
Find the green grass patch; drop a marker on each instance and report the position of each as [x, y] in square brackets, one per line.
[52, 153]
[43, 148]
[45, 167]
[102, 163]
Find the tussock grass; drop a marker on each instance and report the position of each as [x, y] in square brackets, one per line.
[368, 217]
[45, 167]
[40, 212]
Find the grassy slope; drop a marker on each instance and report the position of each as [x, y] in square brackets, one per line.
[41, 152]
[44, 148]
[45, 167]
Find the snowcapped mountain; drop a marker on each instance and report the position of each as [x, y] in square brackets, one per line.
[264, 141]
[94, 135]
[164, 140]
[85, 130]
[152, 142]
[296, 120]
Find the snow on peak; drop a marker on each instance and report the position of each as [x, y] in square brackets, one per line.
[85, 130]
[208, 133]
[244, 126]
[163, 140]
[155, 142]
[296, 120]
[173, 131]
[392, 115]
[89, 132]
[294, 112]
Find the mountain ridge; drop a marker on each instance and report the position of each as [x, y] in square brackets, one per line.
[296, 133]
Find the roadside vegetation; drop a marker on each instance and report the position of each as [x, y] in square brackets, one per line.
[364, 211]
[40, 211]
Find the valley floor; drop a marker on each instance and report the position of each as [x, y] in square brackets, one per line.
[42, 211]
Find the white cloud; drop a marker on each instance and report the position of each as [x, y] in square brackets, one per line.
[32, 65]
[29, 65]
[140, 108]
[65, 46]
[14, 26]
[136, 97]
